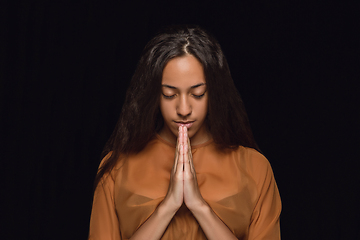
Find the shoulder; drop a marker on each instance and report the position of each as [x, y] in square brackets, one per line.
[252, 157]
[255, 163]
[109, 176]
[154, 148]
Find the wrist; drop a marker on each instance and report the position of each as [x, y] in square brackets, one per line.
[167, 209]
[200, 209]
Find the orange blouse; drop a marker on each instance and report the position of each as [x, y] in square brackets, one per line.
[238, 185]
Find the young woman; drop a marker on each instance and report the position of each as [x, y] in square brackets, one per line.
[182, 162]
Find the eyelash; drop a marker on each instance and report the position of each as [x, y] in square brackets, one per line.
[195, 96]
[169, 97]
[198, 96]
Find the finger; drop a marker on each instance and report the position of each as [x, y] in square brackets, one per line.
[177, 155]
[181, 141]
[186, 142]
[180, 165]
[189, 154]
[185, 135]
[178, 142]
[186, 150]
[177, 151]
[182, 135]
[177, 139]
[186, 162]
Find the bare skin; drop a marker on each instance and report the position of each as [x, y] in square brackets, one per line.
[183, 186]
[183, 189]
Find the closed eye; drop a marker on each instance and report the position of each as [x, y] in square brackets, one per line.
[198, 96]
[169, 97]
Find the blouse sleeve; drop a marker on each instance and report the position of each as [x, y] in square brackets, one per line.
[104, 223]
[265, 220]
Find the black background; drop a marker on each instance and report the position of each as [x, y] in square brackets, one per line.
[65, 66]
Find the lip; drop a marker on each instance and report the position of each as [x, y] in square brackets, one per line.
[186, 124]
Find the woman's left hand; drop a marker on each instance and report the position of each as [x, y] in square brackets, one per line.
[192, 196]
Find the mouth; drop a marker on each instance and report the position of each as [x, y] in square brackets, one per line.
[186, 124]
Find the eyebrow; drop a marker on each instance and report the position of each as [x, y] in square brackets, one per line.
[195, 86]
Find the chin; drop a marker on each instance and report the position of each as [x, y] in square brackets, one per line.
[192, 132]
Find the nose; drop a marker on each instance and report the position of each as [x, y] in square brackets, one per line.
[184, 108]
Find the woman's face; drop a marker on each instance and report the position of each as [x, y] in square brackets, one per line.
[184, 99]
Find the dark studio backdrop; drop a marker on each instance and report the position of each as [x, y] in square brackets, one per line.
[65, 66]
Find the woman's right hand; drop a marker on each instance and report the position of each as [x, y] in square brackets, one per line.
[175, 195]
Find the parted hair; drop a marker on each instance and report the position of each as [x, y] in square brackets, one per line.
[140, 118]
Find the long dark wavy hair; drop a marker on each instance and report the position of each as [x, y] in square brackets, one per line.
[141, 119]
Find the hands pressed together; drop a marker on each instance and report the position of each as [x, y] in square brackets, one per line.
[183, 187]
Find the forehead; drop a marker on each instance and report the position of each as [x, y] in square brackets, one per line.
[182, 72]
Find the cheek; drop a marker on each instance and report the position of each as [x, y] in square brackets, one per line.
[204, 113]
[165, 109]
[204, 108]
